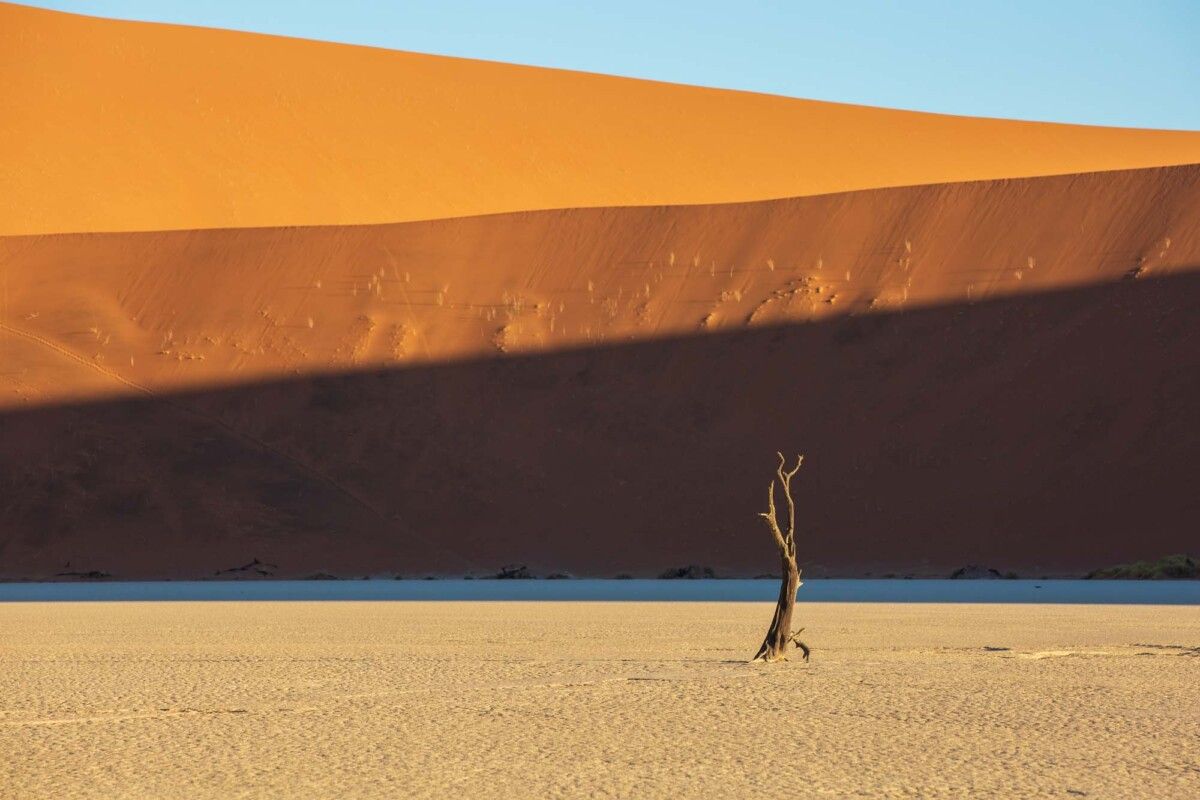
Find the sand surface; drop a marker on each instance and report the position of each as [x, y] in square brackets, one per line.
[89, 315]
[114, 126]
[1005, 372]
[580, 699]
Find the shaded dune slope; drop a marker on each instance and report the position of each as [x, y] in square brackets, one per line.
[1004, 372]
[1040, 433]
[115, 126]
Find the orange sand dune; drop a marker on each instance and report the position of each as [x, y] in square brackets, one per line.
[87, 315]
[112, 126]
[1001, 372]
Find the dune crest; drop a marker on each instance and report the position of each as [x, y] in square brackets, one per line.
[117, 126]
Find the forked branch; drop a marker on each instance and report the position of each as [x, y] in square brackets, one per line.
[772, 522]
[786, 542]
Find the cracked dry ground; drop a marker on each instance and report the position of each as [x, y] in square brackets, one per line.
[364, 699]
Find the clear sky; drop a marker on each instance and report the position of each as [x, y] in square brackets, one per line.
[1106, 62]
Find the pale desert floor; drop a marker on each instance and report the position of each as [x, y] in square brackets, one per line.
[345, 699]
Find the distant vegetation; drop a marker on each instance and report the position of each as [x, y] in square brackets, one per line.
[90, 575]
[691, 572]
[976, 572]
[514, 572]
[1176, 567]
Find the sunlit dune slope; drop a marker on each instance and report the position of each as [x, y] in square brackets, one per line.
[100, 314]
[113, 126]
[997, 372]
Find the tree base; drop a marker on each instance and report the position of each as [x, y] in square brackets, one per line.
[769, 654]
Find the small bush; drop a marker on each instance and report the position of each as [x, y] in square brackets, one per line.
[1176, 567]
[974, 572]
[90, 575]
[690, 572]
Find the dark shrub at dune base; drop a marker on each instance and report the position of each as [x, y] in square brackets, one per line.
[1176, 567]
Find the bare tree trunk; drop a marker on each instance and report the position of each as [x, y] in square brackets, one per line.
[780, 634]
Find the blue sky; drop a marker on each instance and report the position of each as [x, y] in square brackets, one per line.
[1106, 63]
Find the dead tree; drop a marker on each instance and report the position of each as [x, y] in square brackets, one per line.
[780, 634]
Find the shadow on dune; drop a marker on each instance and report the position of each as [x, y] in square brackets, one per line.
[1052, 432]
